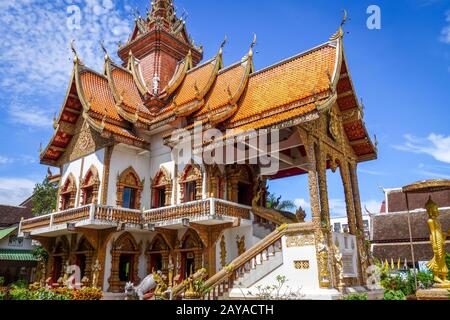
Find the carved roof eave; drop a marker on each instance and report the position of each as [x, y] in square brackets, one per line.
[132, 65]
[199, 101]
[337, 40]
[77, 67]
[176, 82]
[118, 98]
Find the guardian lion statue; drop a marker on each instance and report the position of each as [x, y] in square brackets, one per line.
[138, 292]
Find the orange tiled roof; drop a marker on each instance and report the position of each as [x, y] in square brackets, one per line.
[199, 77]
[98, 94]
[287, 82]
[126, 87]
[227, 83]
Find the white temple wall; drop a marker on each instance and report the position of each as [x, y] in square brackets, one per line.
[80, 167]
[122, 158]
[231, 244]
[161, 156]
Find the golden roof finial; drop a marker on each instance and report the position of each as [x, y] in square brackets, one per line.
[250, 53]
[40, 148]
[340, 33]
[222, 45]
[55, 124]
[102, 44]
[75, 54]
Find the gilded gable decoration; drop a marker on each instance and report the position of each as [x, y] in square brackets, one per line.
[129, 178]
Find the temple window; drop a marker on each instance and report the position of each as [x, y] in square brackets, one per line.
[162, 189]
[129, 189]
[129, 198]
[125, 266]
[240, 184]
[68, 193]
[90, 186]
[191, 184]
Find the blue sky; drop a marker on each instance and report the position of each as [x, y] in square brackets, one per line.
[402, 72]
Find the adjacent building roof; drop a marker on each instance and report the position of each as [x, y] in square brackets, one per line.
[11, 215]
[16, 255]
[391, 234]
[6, 232]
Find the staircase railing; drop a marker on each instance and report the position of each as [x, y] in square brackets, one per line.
[223, 281]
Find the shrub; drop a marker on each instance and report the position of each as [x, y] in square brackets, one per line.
[20, 284]
[447, 259]
[20, 294]
[394, 295]
[425, 280]
[2, 281]
[356, 296]
[399, 283]
[87, 294]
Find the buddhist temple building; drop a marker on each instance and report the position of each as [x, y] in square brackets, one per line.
[391, 239]
[126, 201]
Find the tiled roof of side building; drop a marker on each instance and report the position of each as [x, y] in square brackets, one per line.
[11, 215]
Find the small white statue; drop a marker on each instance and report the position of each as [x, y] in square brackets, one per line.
[139, 291]
[156, 81]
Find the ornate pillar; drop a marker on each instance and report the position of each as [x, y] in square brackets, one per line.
[105, 178]
[350, 204]
[363, 254]
[325, 207]
[321, 249]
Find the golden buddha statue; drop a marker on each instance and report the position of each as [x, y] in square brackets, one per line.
[437, 237]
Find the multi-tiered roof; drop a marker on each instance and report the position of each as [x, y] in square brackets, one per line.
[160, 82]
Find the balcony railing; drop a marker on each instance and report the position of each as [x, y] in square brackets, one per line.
[103, 215]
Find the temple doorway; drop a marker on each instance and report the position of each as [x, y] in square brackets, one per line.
[158, 255]
[191, 254]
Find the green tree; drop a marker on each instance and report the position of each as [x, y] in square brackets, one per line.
[274, 202]
[44, 198]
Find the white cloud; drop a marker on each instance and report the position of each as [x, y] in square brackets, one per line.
[373, 206]
[302, 203]
[445, 35]
[13, 191]
[372, 172]
[5, 160]
[30, 116]
[35, 51]
[339, 208]
[437, 146]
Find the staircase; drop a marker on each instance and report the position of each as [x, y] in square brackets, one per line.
[252, 266]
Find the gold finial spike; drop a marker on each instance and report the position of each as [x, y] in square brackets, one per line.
[55, 124]
[74, 51]
[102, 44]
[250, 52]
[399, 264]
[340, 33]
[392, 264]
[222, 45]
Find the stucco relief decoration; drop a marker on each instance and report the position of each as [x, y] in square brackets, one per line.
[163, 180]
[334, 124]
[90, 184]
[192, 173]
[68, 193]
[301, 240]
[129, 178]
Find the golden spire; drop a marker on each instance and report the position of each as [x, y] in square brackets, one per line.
[102, 44]
[55, 123]
[224, 42]
[340, 33]
[74, 51]
[250, 53]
